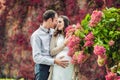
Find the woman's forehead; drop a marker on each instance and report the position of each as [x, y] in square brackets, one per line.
[60, 19]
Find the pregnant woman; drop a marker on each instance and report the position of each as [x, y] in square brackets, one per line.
[59, 49]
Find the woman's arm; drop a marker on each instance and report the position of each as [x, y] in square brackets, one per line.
[54, 49]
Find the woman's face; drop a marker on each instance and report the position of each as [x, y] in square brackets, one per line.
[60, 24]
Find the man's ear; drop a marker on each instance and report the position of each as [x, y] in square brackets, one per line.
[50, 20]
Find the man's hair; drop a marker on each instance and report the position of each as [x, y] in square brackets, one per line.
[49, 14]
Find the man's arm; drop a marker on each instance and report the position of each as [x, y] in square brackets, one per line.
[39, 59]
[36, 52]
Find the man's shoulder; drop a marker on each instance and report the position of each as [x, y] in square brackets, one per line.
[37, 32]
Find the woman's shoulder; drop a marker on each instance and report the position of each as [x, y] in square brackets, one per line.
[54, 38]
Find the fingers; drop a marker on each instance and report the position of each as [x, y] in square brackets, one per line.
[61, 62]
[62, 57]
[66, 42]
[64, 64]
[65, 61]
[68, 37]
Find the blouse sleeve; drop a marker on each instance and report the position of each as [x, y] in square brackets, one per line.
[54, 49]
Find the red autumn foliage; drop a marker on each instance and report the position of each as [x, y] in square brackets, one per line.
[18, 20]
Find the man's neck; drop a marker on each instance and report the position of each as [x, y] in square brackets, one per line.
[45, 25]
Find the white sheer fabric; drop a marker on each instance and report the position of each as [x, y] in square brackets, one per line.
[60, 73]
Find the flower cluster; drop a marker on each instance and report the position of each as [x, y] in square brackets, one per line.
[76, 51]
[95, 18]
[99, 35]
[112, 76]
[73, 40]
[99, 50]
[79, 57]
[89, 40]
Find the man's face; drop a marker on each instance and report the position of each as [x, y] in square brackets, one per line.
[54, 21]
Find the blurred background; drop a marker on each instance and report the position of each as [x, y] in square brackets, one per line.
[20, 18]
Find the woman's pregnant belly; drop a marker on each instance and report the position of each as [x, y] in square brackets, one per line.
[64, 54]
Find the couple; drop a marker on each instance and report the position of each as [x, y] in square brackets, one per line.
[49, 48]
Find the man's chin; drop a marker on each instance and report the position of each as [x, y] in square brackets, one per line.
[54, 27]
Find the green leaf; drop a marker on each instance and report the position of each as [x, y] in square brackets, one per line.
[118, 71]
[111, 33]
[82, 35]
[85, 21]
[112, 19]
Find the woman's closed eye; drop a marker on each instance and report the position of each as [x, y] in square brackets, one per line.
[59, 21]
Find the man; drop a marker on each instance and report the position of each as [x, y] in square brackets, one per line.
[40, 42]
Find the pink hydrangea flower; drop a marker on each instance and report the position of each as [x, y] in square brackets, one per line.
[101, 60]
[95, 18]
[69, 30]
[99, 50]
[73, 44]
[78, 26]
[88, 43]
[118, 77]
[74, 58]
[92, 23]
[81, 57]
[111, 76]
[71, 52]
[90, 36]
[111, 42]
[73, 40]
